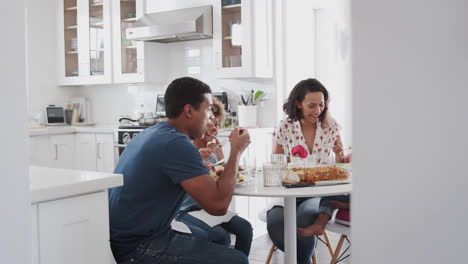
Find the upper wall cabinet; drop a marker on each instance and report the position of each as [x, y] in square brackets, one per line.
[243, 38]
[84, 42]
[128, 55]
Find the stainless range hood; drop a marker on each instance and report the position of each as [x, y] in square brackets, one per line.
[173, 26]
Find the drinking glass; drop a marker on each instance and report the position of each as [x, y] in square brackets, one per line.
[272, 174]
[348, 151]
[280, 159]
[249, 160]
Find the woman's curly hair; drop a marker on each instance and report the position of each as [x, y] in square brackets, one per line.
[298, 94]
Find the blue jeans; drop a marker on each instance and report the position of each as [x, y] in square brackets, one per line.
[325, 203]
[243, 231]
[220, 233]
[307, 211]
[178, 248]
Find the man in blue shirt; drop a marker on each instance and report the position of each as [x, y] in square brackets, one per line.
[160, 166]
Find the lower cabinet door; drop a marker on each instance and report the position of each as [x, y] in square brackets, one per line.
[39, 151]
[62, 151]
[74, 230]
[105, 152]
[85, 152]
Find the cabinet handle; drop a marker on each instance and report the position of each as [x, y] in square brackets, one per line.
[56, 152]
[217, 58]
[99, 150]
[140, 64]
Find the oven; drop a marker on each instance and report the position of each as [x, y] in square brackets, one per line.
[122, 136]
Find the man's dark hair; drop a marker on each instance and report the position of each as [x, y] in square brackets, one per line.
[183, 91]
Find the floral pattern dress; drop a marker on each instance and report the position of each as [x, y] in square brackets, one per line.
[289, 134]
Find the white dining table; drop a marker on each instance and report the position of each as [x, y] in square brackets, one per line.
[255, 188]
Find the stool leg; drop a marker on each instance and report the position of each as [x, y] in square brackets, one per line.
[270, 254]
[338, 249]
[314, 257]
[329, 245]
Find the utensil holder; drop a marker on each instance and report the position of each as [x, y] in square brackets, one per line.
[247, 115]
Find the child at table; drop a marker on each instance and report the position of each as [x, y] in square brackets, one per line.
[237, 225]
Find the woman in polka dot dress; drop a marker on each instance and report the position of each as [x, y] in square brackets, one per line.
[309, 125]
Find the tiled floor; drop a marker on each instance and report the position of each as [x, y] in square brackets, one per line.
[261, 246]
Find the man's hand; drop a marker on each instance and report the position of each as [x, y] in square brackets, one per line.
[205, 153]
[240, 139]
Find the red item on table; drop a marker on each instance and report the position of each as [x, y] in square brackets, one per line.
[299, 151]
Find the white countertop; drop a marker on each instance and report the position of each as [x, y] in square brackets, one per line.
[48, 184]
[107, 129]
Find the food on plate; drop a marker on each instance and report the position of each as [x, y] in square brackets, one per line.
[218, 170]
[314, 174]
[240, 177]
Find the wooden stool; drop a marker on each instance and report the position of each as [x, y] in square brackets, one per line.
[345, 232]
[314, 256]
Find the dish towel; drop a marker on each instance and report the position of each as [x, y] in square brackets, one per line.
[180, 227]
[212, 220]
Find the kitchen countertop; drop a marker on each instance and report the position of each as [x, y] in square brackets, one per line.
[47, 184]
[106, 129]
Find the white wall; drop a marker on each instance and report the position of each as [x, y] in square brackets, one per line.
[15, 223]
[334, 61]
[42, 45]
[317, 45]
[410, 131]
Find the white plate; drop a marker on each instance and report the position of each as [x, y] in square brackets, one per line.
[320, 183]
[247, 179]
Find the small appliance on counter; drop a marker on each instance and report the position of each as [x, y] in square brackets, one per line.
[55, 116]
[161, 107]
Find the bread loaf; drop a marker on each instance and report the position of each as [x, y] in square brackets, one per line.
[314, 174]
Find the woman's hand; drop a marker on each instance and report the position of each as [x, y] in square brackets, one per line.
[347, 158]
[205, 153]
[338, 149]
[339, 154]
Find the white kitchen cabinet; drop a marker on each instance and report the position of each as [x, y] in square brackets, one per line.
[85, 151]
[74, 230]
[39, 151]
[128, 55]
[84, 42]
[243, 39]
[129, 62]
[82, 151]
[62, 151]
[94, 152]
[55, 151]
[105, 152]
